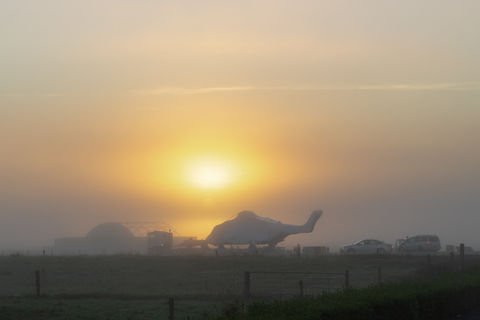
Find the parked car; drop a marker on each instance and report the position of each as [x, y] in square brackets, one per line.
[420, 243]
[367, 246]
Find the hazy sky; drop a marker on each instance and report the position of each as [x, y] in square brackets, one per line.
[188, 112]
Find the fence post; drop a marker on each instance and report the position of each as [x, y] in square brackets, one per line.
[347, 279]
[429, 260]
[301, 288]
[171, 309]
[462, 258]
[37, 282]
[380, 275]
[451, 261]
[246, 284]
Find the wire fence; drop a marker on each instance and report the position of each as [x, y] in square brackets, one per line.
[197, 288]
[286, 285]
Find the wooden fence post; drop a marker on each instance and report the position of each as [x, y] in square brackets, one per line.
[246, 284]
[301, 288]
[451, 260]
[171, 309]
[429, 260]
[380, 275]
[347, 279]
[37, 282]
[462, 258]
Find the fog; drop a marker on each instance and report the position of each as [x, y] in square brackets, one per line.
[368, 112]
[388, 186]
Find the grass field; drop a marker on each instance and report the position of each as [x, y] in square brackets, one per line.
[138, 287]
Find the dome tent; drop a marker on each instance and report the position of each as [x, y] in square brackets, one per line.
[110, 230]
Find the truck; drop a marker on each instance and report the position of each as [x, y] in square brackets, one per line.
[159, 242]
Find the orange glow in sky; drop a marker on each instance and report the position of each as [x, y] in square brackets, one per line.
[210, 173]
[190, 112]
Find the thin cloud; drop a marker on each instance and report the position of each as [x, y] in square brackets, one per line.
[53, 95]
[190, 91]
[406, 87]
[400, 87]
[13, 95]
[25, 95]
[434, 86]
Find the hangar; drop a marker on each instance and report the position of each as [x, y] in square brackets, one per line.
[112, 238]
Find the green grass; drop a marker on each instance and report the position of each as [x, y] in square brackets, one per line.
[106, 308]
[437, 298]
[137, 287]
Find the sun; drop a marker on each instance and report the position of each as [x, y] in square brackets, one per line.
[210, 173]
